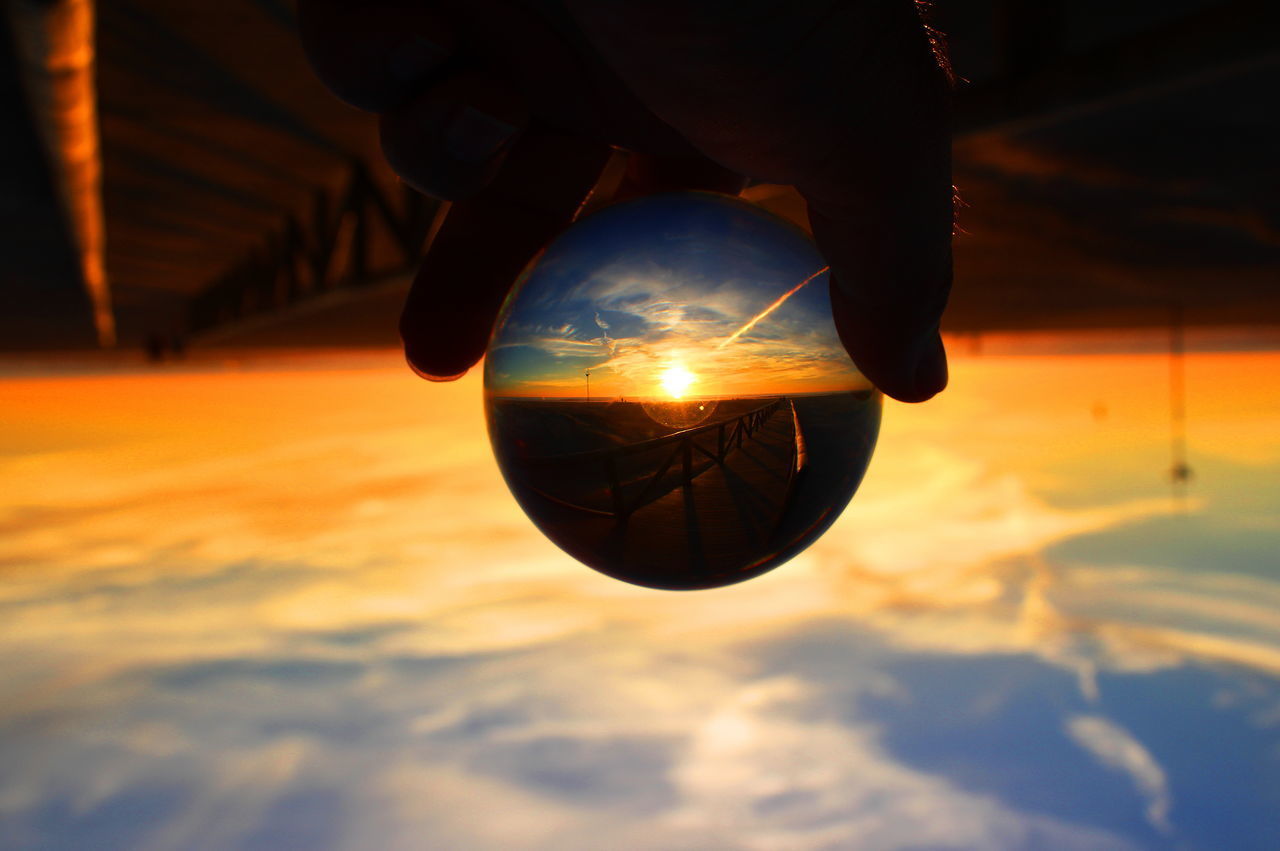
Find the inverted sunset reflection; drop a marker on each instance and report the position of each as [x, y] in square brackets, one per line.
[668, 397]
[292, 604]
[708, 291]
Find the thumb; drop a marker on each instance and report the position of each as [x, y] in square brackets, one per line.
[888, 240]
[847, 102]
[883, 212]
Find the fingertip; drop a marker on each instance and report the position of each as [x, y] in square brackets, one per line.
[444, 332]
[931, 373]
[924, 378]
[422, 371]
[481, 246]
[904, 361]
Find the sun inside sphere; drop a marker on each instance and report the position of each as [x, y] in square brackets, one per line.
[676, 381]
[667, 396]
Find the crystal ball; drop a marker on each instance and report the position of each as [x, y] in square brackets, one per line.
[667, 397]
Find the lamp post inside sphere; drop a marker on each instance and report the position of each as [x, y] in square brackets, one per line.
[723, 429]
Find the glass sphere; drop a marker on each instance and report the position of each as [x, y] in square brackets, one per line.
[667, 396]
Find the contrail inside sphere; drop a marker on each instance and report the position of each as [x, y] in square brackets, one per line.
[771, 308]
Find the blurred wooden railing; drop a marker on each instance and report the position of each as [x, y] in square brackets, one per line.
[356, 238]
[627, 494]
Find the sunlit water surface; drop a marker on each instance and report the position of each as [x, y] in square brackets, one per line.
[290, 604]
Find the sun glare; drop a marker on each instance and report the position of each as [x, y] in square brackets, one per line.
[676, 381]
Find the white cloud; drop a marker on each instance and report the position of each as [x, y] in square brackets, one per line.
[785, 779]
[277, 594]
[1116, 748]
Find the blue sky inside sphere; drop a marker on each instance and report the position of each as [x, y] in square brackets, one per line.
[666, 282]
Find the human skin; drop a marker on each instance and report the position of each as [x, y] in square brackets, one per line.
[509, 109]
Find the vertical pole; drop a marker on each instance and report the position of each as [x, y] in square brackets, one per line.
[1179, 471]
[588, 385]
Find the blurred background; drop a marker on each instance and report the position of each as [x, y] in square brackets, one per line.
[265, 588]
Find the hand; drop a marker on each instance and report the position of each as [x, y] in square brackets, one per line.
[509, 108]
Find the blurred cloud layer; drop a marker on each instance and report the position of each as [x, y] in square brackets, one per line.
[296, 607]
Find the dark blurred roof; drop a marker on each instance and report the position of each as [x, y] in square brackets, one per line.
[1133, 170]
[1099, 193]
[214, 129]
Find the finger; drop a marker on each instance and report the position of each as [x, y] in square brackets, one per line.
[485, 242]
[889, 246]
[883, 218]
[875, 347]
[452, 139]
[374, 54]
[852, 112]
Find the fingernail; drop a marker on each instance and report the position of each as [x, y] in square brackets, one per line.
[441, 379]
[430, 376]
[473, 136]
[414, 58]
[931, 369]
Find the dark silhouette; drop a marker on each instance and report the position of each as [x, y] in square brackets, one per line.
[512, 113]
